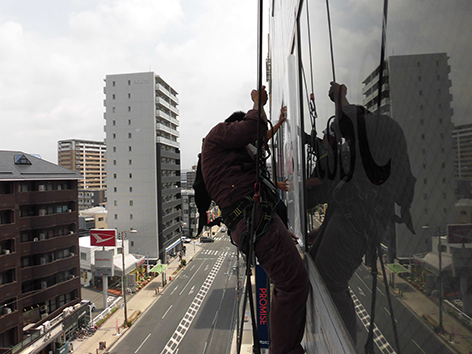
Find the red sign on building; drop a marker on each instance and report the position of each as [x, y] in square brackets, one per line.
[459, 233]
[103, 237]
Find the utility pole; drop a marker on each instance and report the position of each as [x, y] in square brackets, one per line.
[440, 328]
[123, 287]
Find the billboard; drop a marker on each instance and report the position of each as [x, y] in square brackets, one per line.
[104, 263]
[103, 237]
[459, 233]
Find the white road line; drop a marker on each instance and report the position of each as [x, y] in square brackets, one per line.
[144, 341]
[418, 346]
[191, 278]
[174, 289]
[357, 275]
[167, 311]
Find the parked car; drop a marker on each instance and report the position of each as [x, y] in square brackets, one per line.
[206, 239]
[186, 240]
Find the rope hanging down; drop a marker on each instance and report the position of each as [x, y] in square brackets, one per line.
[257, 187]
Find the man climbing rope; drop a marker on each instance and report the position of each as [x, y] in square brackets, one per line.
[229, 172]
[371, 176]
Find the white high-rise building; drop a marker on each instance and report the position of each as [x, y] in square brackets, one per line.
[415, 92]
[143, 162]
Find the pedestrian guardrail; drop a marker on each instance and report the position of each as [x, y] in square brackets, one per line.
[107, 311]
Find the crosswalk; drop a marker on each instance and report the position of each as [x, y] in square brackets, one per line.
[215, 253]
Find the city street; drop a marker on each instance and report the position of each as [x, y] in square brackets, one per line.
[195, 313]
[414, 335]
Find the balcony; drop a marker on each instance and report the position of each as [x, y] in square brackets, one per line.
[164, 90]
[47, 197]
[48, 245]
[47, 221]
[48, 269]
[161, 140]
[168, 130]
[161, 114]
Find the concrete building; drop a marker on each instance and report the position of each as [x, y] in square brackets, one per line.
[89, 198]
[189, 213]
[39, 263]
[462, 144]
[416, 94]
[143, 169]
[86, 157]
[93, 218]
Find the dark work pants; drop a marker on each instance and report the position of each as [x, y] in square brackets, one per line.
[337, 253]
[278, 255]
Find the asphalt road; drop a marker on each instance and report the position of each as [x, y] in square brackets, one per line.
[414, 336]
[196, 312]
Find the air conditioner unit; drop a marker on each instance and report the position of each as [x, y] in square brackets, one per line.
[43, 260]
[6, 251]
[42, 212]
[41, 188]
[72, 276]
[43, 308]
[44, 285]
[6, 310]
[35, 239]
[44, 315]
[42, 236]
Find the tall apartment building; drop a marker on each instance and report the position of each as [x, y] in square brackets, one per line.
[39, 263]
[462, 144]
[143, 168]
[86, 157]
[189, 213]
[416, 94]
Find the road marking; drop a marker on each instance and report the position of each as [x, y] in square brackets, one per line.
[167, 311]
[390, 314]
[144, 341]
[191, 278]
[184, 325]
[360, 291]
[357, 275]
[192, 290]
[174, 289]
[379, 339]
[418, 346]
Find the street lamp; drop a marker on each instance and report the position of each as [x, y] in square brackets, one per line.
[438, 234]
[123, 273]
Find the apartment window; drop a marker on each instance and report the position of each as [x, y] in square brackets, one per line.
[438, 77]
[421, 92]
[129, 108]
[132, 243]
[129, 121]
[113, 83]
[423, 136]
[131, 216]
[114, 97]
[130, 175]
[440, 121]
[443, 165]
[113, 109]
[114, 176]
[418, 64]
[115, 203]
[441, 135]
[114, 148]
[130, 162]
[442, 150]
[100, 219]
[114, 136]
[115, 189]
[131, 189]
[425, 181]
[424, 151]
[114, 122]
[422, 121]
[116, 216]
[419, 78]
[445, 211]
[129, 82]
[130, 135]
[114, 162]
[129, 148]
[130, 203]
[444, 196]
[440, 106]
[129, 95]
[444, 180]
[83, 256]
[421, 107]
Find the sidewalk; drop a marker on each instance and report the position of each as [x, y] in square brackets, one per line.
[138, 302]
[428, 311]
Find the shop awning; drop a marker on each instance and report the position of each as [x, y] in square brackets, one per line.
[158, 268]
[397, 268]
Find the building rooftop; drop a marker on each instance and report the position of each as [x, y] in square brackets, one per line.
[17, 165]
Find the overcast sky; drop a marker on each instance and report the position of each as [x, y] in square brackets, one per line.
[55, 54]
